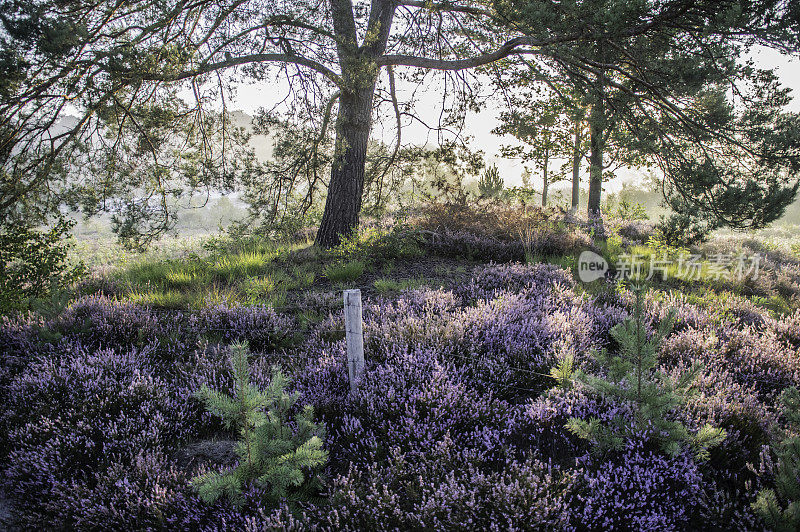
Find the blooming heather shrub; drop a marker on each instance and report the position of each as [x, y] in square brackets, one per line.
[150, 493]
[746, 420]
[457, 420]
[725, 509]
[262, 327]
[499, 233]
[545, 240]
[70, 417]
[541, 424]
[633, 231]
[527, 495]
[98, 321]
[759, 358]
[787, 329]
[488, 280]
[102, 322]
[324, 380]
[504, 337]
[411, 402]
[468, 245]
[18, 342]
[640, 489]
[778, 271]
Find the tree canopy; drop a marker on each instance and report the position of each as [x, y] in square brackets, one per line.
[682, 97]
[125, 68]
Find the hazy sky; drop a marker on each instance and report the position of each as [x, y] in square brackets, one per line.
[252, 97]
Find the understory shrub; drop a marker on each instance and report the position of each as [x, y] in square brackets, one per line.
[632, 377]
[638, 489]
[780, 507]
[499, 233]
[34, 263]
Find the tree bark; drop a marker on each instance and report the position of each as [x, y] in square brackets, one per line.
[544, 174]
[576, 166]
[597, 145]
[343, 204]
[354, 121]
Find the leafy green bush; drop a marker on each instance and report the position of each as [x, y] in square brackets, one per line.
[612, 247]
[34, 263]
[564, 371]
[274, 452]
[684, 230]
[379, 245]
[627, 210]
[490, 184]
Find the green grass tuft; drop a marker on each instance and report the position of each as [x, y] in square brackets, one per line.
[387, 286]
[344, 272]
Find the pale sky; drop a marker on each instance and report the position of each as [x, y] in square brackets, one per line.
[251, 97]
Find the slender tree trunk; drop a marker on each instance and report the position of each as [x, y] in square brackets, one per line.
[544, 175]
[343, 204]
[597, 145]
[576, 166]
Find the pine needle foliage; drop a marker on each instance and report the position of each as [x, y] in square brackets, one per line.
[274, 451]
[632, 377]
[564, 371]
[780, 507]
[490, 184]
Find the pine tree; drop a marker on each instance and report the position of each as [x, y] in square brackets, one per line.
[780, 507]
[632, 377]
[272, 451]
[490, 184]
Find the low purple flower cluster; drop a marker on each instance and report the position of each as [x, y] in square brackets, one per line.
[456, 425]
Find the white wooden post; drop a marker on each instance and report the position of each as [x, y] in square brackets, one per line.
[355, 337]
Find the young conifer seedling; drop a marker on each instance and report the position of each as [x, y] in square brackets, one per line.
[632, 376]
[780, 507]
[274, 452]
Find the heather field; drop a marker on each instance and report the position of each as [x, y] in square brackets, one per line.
[461, 418]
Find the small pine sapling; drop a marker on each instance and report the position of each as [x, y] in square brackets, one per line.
[780, 507]
[490, 184]
[563, 371]
[632, 377]
[273, 452]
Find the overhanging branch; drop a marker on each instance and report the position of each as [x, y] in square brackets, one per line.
[244, 60]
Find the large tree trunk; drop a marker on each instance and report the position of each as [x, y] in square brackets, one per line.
[576, 166]
[343, 204]
[353, 123]
[597, 144]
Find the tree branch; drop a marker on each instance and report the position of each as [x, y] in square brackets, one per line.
[447, 7]
[508, 48]
[247, 59]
